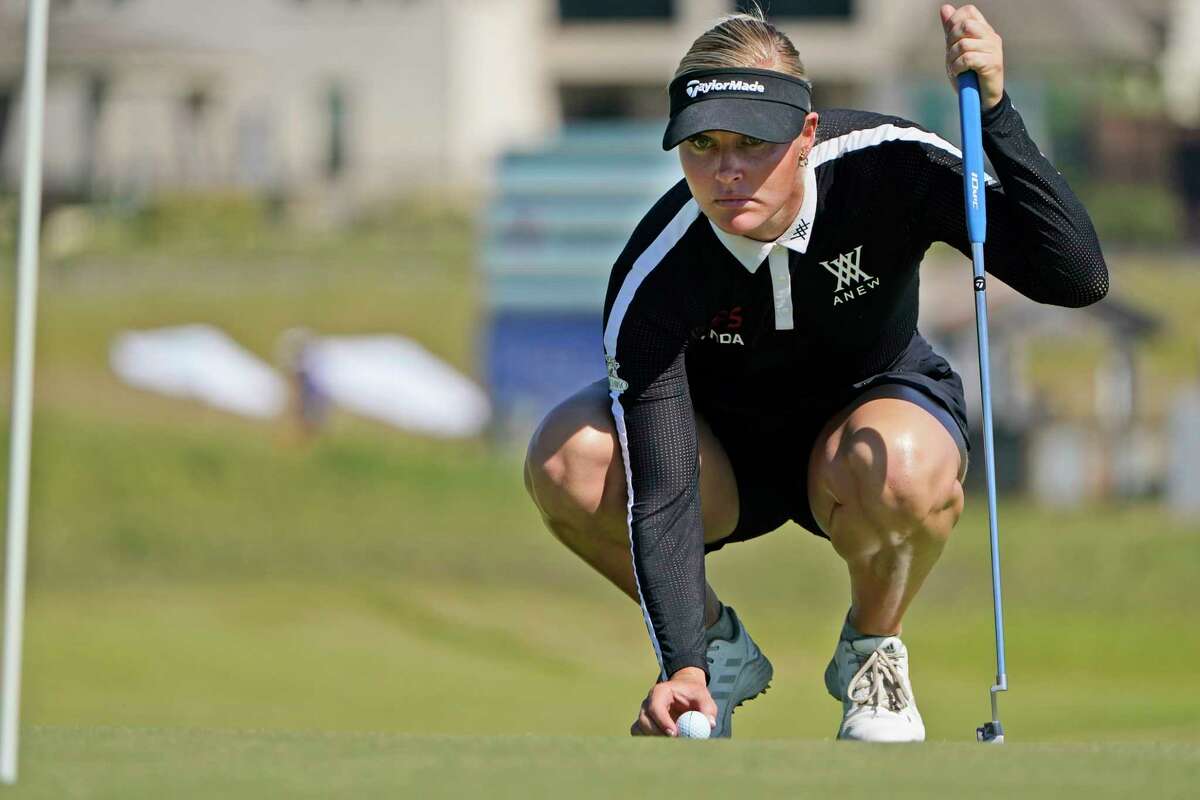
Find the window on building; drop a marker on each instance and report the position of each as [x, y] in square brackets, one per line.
[335, 154]
[94, 102]
[804, 9]
[195, 104]
[594, 10]
[612, 102]
[6, 101]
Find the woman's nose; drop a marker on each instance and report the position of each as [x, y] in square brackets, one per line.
[729, 170]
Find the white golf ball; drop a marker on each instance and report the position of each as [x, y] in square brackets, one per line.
[693, 725]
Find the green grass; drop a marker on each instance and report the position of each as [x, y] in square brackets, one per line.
[222, 579]
[194, 575]
[219, 579]
[119, 763]
[1166, 287]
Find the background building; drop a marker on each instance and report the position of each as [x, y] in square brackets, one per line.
[378, 97]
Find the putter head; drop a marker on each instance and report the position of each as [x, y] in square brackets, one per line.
[990, 733]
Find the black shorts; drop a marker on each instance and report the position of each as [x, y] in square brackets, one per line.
[770, 456]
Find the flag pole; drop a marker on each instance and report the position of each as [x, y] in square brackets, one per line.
[22, 403]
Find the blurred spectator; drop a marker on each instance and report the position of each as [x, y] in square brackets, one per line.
[310, 405]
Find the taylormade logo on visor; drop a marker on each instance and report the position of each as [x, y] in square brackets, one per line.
[695, 87]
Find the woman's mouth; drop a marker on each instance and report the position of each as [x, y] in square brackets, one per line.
[732, 202]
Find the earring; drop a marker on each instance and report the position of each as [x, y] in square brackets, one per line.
[804, 158]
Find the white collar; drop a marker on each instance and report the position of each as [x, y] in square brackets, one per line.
[751, 252]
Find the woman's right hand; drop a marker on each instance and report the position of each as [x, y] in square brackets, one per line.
[686, 690]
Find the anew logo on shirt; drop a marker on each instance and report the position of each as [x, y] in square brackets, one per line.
[852, 281]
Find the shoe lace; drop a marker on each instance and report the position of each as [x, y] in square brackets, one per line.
[879, 682]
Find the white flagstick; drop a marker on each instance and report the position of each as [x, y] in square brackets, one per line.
[18, 466]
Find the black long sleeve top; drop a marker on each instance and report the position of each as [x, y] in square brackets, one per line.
[693, 311]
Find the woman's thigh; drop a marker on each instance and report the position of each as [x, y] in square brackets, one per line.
[581, 434]
[899, 433]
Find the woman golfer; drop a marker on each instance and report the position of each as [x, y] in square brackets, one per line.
[764, 363]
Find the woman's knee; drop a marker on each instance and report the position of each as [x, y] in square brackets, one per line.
[904, 484]
[573, 469]
[894, 482]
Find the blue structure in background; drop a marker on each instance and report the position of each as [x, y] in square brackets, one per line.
[535, 359]
[558, 220]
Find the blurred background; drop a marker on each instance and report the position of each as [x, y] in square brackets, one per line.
[312, 270]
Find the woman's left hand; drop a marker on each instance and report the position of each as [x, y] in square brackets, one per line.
[972, 44]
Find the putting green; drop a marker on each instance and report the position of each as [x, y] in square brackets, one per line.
[146, 763]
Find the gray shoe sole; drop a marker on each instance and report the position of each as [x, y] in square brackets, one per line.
[753, 680]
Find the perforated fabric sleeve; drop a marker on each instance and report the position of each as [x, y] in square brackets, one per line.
[646, 336]
[1040, 240]
[655, 420]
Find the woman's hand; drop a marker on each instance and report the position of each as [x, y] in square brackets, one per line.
[687, 690]
[972, 44]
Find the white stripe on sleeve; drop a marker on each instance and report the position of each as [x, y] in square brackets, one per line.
[870, 137]
[623, 437]
[643, 266]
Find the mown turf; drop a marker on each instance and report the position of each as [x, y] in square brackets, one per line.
[124, 763]
[226, 579]
[530, 660]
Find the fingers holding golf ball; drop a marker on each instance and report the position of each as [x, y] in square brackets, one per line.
[668, 701]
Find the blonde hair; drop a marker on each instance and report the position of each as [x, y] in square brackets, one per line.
[743, 40]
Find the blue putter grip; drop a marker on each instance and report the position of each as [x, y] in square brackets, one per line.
[972, 139]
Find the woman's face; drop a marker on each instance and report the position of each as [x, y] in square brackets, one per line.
[746, 186]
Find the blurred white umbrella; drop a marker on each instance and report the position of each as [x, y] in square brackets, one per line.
[202, 363]
[397, 381]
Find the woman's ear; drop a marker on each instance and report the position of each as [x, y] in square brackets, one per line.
[810, 127]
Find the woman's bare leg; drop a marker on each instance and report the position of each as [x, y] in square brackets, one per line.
[885, 485]
[576, 477]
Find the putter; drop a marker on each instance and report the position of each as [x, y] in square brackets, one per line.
[973, 193]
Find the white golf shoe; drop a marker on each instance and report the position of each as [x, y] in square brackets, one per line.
[738, 671]
[870, 677]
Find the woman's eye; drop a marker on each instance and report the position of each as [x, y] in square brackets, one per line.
[750, 141]
[700, 142]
